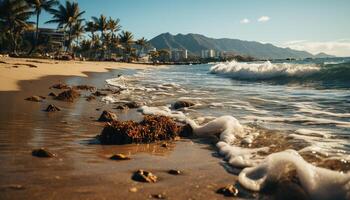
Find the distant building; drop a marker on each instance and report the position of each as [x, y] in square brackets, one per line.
[179, 55]
[56, 36]
[209, 53]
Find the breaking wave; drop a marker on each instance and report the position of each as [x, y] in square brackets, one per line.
[336, 74]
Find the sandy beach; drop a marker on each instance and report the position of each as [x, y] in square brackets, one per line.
[13, 70]
[82, 169]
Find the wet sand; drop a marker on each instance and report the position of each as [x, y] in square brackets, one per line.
[82, 169]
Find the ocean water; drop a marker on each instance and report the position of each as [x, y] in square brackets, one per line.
[271, 116]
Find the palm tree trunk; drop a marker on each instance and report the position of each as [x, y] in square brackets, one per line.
[36, 34]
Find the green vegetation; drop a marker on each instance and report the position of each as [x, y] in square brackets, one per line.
[97, 39]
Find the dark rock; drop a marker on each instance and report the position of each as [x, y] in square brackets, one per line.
[107, 116]
[85, 87]
[119, 157]
[42, 97]
[129, 105]
[98, 93]
[182, 104]
[52, 94]
[42, 153]
[151, 129]
[165, 145]
[52, 108]
[60, 86]
[144, 176]
[186, 131]
[228, 191]
[68, 95]
[34, 98]
[158, 196]
[174, 172]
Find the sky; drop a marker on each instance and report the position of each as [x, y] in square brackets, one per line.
[311, 25]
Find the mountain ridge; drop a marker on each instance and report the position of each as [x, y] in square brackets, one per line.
[195, 43]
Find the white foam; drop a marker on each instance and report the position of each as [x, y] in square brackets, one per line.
[262, 70]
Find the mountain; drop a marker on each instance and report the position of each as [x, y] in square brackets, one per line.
[323, 55]
[195, 43]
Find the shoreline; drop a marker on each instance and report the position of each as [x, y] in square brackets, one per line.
[83, 170]
[13, 70]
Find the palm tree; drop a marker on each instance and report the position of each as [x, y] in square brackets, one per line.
[38, 6]
[78, 30]
[101, 24]
[91, 27]
[113, 26]
[141, 43]
[14, 15]
[66, 16]
[126, 39]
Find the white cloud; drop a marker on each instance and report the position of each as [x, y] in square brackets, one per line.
[245, 21]
[263, 19]
[337, 47]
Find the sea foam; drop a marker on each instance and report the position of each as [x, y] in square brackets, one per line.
[262, 70]
[258, 172]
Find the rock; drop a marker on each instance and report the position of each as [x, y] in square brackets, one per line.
[107, 116]
[85, 87]
[119, 157]
[52, 94]
[42, 153]
[144, 176]
[68, 95]
[129, 105]
[182, 104]
[52, 108]
[158, 196]
[34, 98]
[165, 145]
[60, 86]
[228, 191]
[42, 97]
[186, 131]
[98, 93]
[152, 128]
[90, 98]
[174, 172]
[133, 189]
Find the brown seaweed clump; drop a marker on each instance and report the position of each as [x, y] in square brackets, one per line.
[68, 95]
[85, 87]
[152, 128]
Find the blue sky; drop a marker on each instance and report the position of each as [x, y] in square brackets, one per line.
[311, 25]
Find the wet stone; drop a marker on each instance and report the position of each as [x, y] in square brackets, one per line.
[228, 191]
[144, 176]
[174, 172]
[68, 95]
[42, 153]
[52, 94]
[182, 104]
[60, 86]
[34, 98]
[165, 145]
[107, 116]
[119, 157]
[52, 108]
[158, 196]
[90, 98]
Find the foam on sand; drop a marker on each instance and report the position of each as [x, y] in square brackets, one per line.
[258, 172]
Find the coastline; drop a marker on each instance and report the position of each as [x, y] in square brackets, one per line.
[83, 170]
[13, 70]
